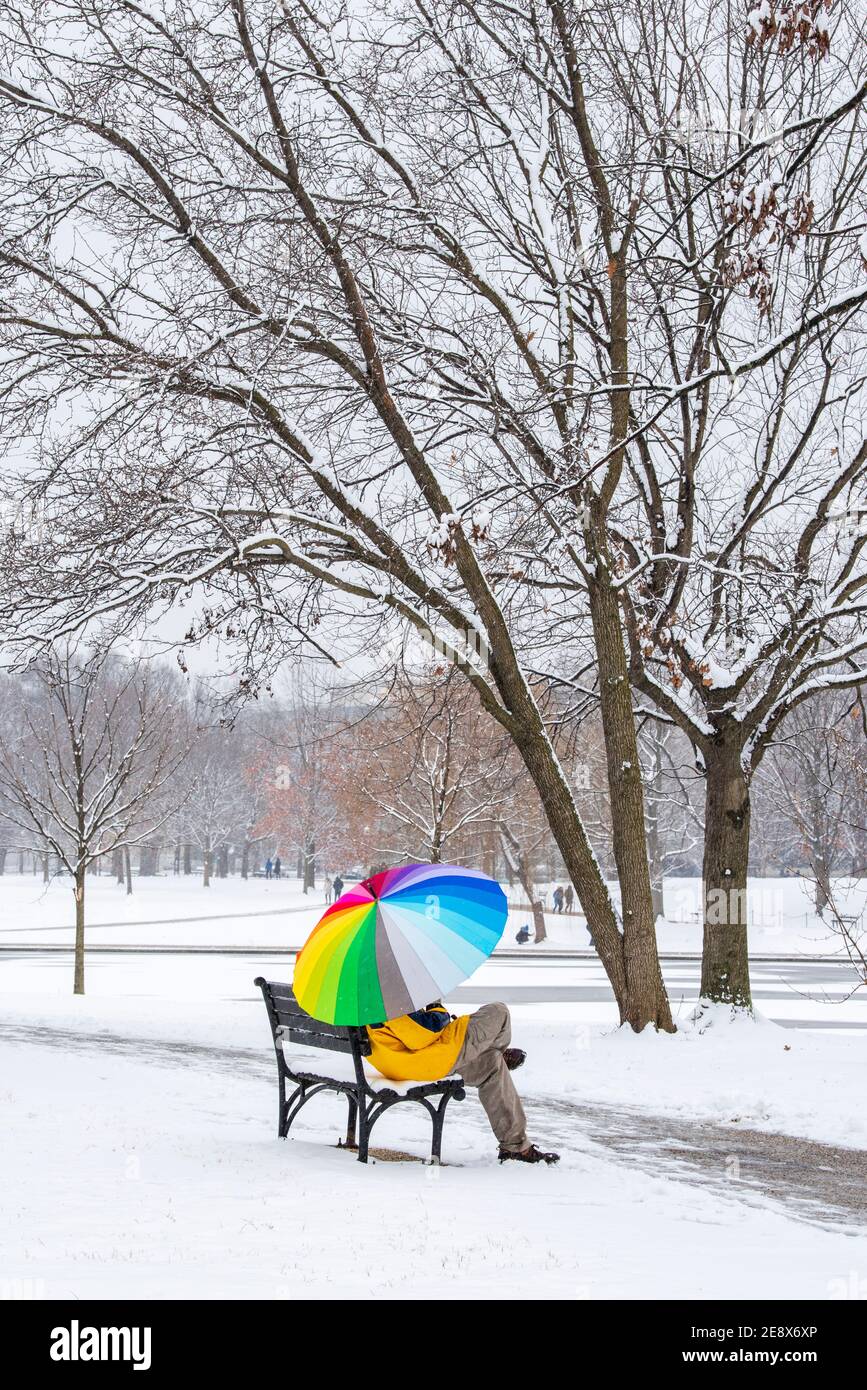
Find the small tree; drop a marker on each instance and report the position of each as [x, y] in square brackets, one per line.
[93, 746]
[301, 770]
[435, 768]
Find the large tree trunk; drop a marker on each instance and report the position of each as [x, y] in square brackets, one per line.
[245, 860]
[646, 1000]
[206, 867]
[725, 970]
[78, 983]
[127, 866]
[580, 861]
[820, 847]
[188, 858]
[630, 960]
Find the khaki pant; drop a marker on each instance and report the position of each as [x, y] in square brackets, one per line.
[480, 1063]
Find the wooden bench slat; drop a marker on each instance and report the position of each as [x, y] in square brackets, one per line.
[303, 1038]
[290, 1018]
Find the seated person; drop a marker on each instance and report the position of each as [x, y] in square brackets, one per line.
[430, 1044]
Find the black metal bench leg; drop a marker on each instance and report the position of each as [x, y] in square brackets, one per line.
[363, 1132]
[283, 1111]
[439, 1118]
[351, 1141]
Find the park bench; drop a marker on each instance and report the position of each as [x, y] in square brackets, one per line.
[292, 1028]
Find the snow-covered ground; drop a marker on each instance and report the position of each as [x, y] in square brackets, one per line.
[133, 1169]
[139, 1157]
[179, 911]
[780, 914]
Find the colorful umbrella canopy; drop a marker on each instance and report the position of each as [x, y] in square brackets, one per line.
[398, 941]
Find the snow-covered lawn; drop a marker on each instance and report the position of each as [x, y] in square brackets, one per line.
[178, 910]
[139, 1156]
[780, 914]
[136, 1163]
[752, 1074]
[160, 911]
[147, 1173]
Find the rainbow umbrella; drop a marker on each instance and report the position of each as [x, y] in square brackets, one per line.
[398, 941]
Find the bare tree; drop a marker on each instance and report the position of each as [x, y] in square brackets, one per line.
[215, 803]
[93, 746]
[674, 823]
[302, 769]
[816, 782]
[416, 312]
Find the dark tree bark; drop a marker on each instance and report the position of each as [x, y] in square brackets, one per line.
[725, 975]
[309, 866]
[646, 999]
[78, 981]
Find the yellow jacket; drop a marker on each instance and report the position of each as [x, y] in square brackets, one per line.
[403, 1050]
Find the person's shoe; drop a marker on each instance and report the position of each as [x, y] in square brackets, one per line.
[529, 1155]
[514, 1058]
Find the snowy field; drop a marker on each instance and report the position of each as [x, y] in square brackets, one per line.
[179, 911]
[140, 1160]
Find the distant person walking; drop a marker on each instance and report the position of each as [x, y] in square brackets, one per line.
[277, 867]
[558, 899]
[337, 885]
[569, 896]
[269, 868]
[328, 891]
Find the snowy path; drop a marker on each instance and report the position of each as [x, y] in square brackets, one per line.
[815, 1182]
